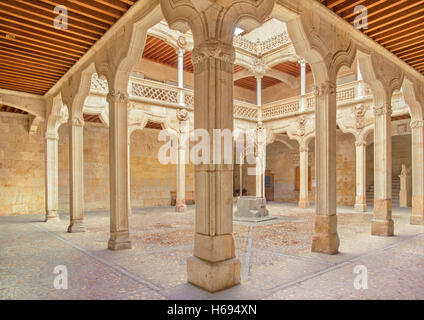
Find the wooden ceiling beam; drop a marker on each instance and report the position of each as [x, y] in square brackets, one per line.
[31, 38]
[23, 68]
[19, 75]
[84, 11]
[98, 7]
[383, 10]
[20, 56]
[369, 4]
[24, 28]
[45, 9]
[413, 41]
[37, 50]
[395, 20]
[39, 23]
[115, 4]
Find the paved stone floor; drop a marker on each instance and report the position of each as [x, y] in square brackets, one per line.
[276, 258]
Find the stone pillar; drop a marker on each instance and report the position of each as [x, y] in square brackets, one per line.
[303, 168]
[360, 93]
[361, 152]
[214, 265]
[259, 170]
[302, 106]
[52, 181]
[180, 53]
[129, 176]
[325, 238]
[404, 192]
[118, 170]
[76, 180]
[417, 172]
[182, 116]
[382, 223]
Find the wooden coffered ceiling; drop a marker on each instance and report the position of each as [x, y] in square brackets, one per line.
[159, 51]
[34, 54]
[4, 108]
[398, 25]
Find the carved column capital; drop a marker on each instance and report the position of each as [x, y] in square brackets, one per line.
[213, 49]
[383, 110]
[303, 148]
[76, 122]
[361, 143]
[117, 96]
[417, 124]
[325, 88]
[52, 136]
[182, 114]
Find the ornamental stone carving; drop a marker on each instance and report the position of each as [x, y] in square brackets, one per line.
[302, 124]
[259, 67]
[182, 42]
[325, 88]
[417, 124]
[383, 110]
[360, 143]
[182, 114]
[77, 122]
[213, 49]
[117, 96]
[359, 112]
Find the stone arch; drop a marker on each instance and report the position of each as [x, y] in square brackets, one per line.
[413, 92]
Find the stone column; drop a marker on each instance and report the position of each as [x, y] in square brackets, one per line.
[118, 170]
[52, 180]
[182, 116]
[325, 238]
[129, 177]
[417, 172]
[214, 265]
[361, 153]
[404, 191]
[76, 180]
[302, 106]
[360, 93]
[259, 170]
[304, 179]
[180, 53]
[382, 223]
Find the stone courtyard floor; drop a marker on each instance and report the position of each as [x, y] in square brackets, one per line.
[275, 255]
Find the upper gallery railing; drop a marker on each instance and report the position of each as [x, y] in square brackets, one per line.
[167, 95]
[261, 47]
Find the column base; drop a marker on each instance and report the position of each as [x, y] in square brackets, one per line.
[213, 276]
[382, 223]
[382, 228]
[417, 220]
[180, 207]
[76, 226]
[325, 239]
[52, 216]
[119, 241]
[417, 217]
[303, 204]
[360, 207]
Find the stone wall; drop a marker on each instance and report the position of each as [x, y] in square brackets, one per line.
[401, 154]
[151, 182]
[282, 160]
[21, 167]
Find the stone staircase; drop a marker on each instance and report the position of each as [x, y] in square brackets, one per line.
[395, 193]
